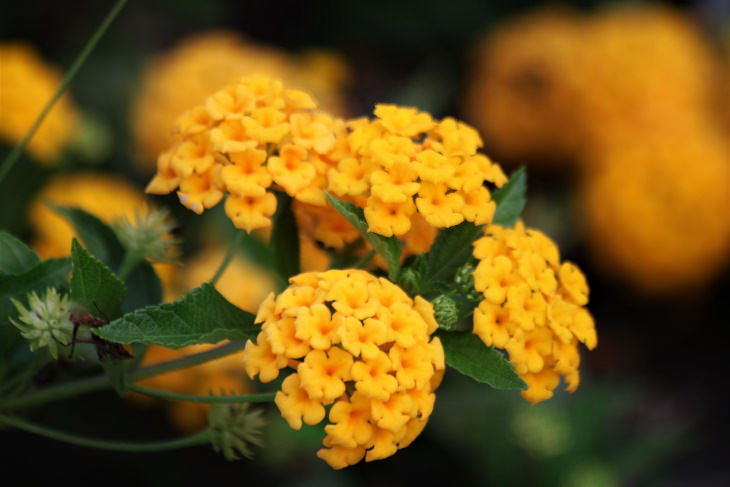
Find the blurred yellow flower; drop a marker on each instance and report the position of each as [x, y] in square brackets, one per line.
[110, 198]
[657, 211]
[27, 83]
[183, 77]
[223, 376]
[554, 85]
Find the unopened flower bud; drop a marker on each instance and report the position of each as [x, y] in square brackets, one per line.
[446, 312]
[409, 279]
[47, 321]
[464, 280]
[235, 428]
[148, 235]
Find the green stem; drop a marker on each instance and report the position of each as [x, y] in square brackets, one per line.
[223, 399]
[101, 382]
[130, 261]
[13, 157]
[364, 260]
[192, 440]
[235, 245]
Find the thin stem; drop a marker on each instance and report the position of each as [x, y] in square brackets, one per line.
[192, 440]
[223, 399]
[187, 361]
[235, 245]
[101, 382]
[364, 260]
[13, 157]
[130, 261]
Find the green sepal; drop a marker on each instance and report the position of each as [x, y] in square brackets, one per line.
[511, 199]
[390, 248]
[284, 242]
[466, 353]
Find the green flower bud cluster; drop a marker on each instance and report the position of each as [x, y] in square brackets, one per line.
[234, 429]
[148, 235]
[464, 280]
[47, 321]
[446, 312]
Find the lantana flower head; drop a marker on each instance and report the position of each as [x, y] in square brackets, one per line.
[363, 359]
[533, 306]
[243, 142]
[405, 168]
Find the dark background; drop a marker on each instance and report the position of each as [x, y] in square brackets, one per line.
[652, 406]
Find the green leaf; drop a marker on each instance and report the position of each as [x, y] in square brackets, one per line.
[257, 252]
[389, 248]
[451, 249]
[511, 199]
[143, 288]
[466, 353]
[201, 316]
[143, 285]
[99, 238]
[15, 256]
[284, 243]
[49, 273]
[94, 285]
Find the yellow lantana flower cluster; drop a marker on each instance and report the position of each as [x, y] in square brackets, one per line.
[243, 141]
[533, 307]
[404, 164]
[358, 344]
[27, 83]
[197, 66]
[106, 196]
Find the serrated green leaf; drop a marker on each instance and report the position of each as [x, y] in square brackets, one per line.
[15, 256]
[466, 353]
[201, 316]
[390, 248]
[49, 273]
[99, 238]
[511, 199]
[94, 285]
[284, 243]
[451, 249]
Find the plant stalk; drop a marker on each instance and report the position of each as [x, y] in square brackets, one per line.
[222, 399]
[101, 382]
[14, 155]
[234, 247]
[196, 439]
